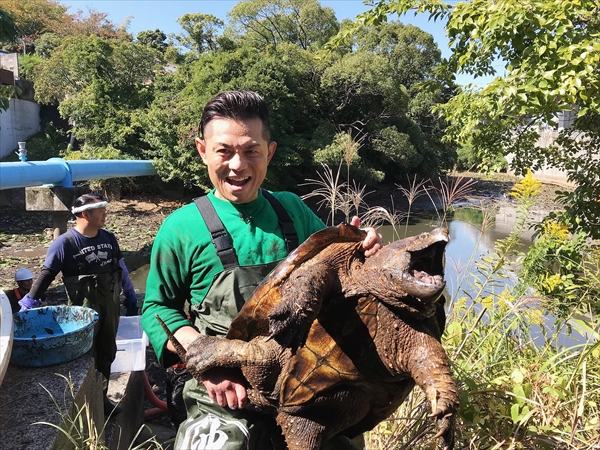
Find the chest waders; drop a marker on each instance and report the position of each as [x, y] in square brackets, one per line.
[208, 425]
[100, 291]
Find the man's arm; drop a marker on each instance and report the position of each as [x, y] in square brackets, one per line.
[128, 290]
[42, 283]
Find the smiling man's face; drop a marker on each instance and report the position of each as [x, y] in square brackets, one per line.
[236, 154]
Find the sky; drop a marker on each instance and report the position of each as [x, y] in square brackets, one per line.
[163, 14]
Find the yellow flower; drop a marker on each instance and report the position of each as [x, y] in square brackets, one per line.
[526, 188]
[505, 299]
[549, 283]
[556, 230]
[488, 301]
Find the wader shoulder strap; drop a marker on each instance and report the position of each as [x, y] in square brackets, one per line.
[285, 222]
[218, 234]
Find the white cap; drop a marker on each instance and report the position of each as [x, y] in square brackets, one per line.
[23, 274]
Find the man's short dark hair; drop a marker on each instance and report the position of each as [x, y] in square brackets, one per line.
[86, 199]
[237, 105]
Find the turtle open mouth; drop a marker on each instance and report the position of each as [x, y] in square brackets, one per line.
[424, 277]
[427, 265]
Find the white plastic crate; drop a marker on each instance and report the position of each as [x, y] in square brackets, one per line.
[131, 346]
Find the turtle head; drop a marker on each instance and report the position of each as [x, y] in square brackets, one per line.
[411, 267]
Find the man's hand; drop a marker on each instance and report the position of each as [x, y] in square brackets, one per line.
[131, 303]
[373, 242]
[225, 387]
[28, 303]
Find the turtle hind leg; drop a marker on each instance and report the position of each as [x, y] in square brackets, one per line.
[300, 433]
[330, 415]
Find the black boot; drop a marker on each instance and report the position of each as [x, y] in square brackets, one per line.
[110, 408]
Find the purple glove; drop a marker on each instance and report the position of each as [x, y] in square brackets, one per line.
[131, 304]
[126, 283]
[27, 303]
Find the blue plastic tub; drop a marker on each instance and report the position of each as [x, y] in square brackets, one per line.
[52, 335]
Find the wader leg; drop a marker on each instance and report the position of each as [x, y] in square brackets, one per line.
[210, 426]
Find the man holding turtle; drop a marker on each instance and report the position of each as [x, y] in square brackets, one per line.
[212, 254]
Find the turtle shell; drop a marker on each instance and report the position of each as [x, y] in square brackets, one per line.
[253, 319]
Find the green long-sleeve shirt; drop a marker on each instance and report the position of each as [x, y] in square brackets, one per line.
[184, 261]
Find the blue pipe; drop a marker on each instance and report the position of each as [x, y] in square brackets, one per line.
[60, 172]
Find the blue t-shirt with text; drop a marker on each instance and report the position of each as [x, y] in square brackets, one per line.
[95, 253]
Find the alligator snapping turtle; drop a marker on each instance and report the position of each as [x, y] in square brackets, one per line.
[333, 342]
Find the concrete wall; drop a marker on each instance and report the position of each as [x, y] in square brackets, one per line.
[19, 122]
[547, 173]
[10, 61]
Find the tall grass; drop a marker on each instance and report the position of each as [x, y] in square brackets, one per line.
[521, 386]
[79, 428]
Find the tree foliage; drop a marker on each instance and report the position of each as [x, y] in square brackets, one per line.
[99, 85]
[270, 22]
[201, 31]
[9, 31]
[550, 52]
[121, 98]
[154, 39]
[35, 17]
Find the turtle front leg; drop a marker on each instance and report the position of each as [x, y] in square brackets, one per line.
[260, 360]
[431, 370]
[302, 298]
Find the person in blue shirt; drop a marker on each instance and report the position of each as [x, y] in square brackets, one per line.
[93, 271]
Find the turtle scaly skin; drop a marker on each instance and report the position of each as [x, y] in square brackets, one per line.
[333, 342]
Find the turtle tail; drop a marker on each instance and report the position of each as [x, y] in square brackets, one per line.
[178, 347]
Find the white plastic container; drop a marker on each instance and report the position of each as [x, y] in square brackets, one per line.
[131, 346]
[6, 333]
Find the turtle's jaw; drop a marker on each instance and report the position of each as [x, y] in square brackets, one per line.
[408, 268]
[424, 277]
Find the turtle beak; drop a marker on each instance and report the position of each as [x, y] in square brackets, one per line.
[421, 264]
[424, 278]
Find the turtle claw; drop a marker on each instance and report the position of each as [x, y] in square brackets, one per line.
[445, 426]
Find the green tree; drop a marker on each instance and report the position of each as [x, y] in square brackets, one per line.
[154, 39]
[373, 88]
[262, 23]
[282, 77]
[46, 43]
[202, 32]
[99, 84]
[363, 91]
[9, 32]
[550, 50]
